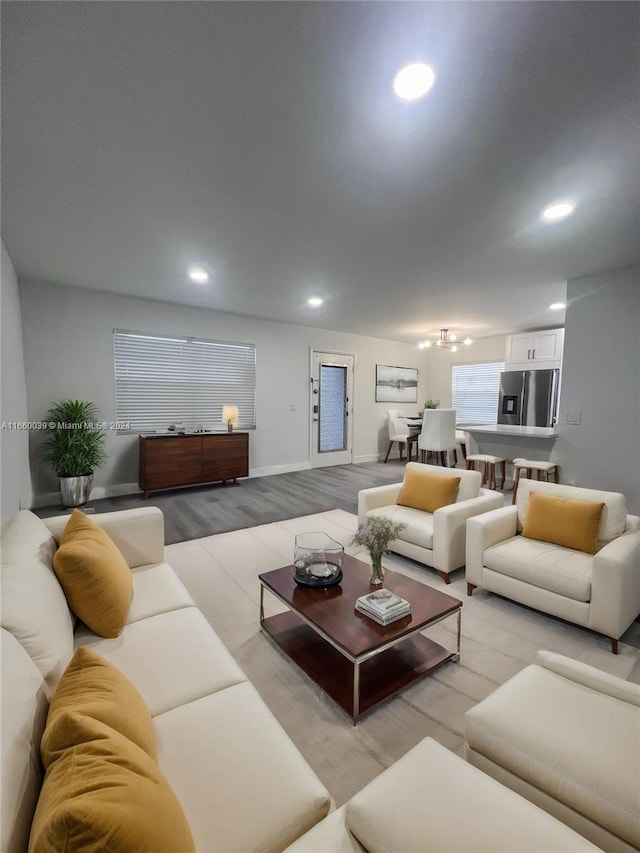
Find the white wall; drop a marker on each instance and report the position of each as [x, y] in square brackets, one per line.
[15, 485]
[69, 354]
[601, 380]
[439, 363]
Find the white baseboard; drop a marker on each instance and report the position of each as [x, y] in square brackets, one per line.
[279, 469]
[51, 498]
[97, 492]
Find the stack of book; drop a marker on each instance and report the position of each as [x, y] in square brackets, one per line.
[383, 606]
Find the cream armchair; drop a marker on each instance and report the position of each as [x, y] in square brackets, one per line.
[435, 539]
[599, 591]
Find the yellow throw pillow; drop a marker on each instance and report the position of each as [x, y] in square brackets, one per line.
[563, 521]
[94, 575]
[106, 794]
[93, 687]
[428, 492]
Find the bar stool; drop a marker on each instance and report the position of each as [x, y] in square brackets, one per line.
[489, 467]
[531, 465]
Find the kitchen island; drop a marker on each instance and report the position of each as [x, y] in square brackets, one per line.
[510, 442]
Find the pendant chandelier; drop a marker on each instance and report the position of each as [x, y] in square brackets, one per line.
[447, 341]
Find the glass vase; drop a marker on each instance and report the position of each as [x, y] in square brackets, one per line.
[376, 578]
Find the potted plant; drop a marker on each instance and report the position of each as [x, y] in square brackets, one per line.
[432, 404]
[74, 447]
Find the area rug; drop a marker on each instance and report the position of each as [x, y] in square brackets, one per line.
[499, 638]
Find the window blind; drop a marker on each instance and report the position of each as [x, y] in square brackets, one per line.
[474, 391]
[332, 434]
[161, 380]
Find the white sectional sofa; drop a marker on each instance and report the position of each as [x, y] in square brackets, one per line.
[240, 780]
[567, 737]
[599, 591]
[437, 538]
[432, 801]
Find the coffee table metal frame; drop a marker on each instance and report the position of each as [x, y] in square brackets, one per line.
[358, 660]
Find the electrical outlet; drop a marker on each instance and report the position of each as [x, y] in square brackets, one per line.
[293, 407]
[574, 418]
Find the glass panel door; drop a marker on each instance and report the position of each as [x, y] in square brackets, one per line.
[331, 408]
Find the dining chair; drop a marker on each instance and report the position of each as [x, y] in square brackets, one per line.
[400, 432]
[438, 434]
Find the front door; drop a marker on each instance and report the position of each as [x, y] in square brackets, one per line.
[331, 408]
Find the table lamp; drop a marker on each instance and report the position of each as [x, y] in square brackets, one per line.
[230, 415]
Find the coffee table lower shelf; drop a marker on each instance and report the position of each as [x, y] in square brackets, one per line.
[380, 676]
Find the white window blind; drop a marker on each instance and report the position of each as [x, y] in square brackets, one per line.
[332, 434]
[162, 380]
[474, 391]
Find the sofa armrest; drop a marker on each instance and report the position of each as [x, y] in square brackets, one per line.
[486, 530]
[138, 533]
[375, 498]
[449, 528]
[615, 585]
[589, 676]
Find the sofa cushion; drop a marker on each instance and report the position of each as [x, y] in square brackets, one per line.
[34, 608]
[93, 687]
[441, 803]
[576, 744]
[156, 589]
[171, 658]
[563, 521]
[560, 570]
[105, 793]
[23, 711]
[419, 524]
[614, 515]
[266, 795]
[94, 575]
[427, 492]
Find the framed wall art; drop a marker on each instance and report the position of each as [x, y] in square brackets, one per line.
[396, 384]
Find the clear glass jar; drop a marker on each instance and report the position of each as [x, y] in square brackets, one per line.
[317, 559]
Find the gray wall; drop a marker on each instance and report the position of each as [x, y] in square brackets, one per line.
[601, 380]
[14, 450]
[69, 354]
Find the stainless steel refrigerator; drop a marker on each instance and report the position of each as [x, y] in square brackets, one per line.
[528, 397]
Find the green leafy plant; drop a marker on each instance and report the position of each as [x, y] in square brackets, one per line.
[432, 404]
[74, 445]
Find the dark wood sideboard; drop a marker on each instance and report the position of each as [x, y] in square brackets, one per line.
[174, 461]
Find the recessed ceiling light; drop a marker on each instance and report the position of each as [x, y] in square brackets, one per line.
[558, 210]
[413, 81]
[557, 306]
[315, 301]
[198, 274]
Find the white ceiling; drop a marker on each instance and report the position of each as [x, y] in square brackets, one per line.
[263, 141]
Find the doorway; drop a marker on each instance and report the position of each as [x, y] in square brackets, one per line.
[331, 408]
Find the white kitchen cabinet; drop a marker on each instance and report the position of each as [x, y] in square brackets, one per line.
[534, 350]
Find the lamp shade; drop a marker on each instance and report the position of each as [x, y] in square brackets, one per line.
[230, 413]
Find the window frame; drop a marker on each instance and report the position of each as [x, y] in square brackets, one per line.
[196, 406]
[474, 417]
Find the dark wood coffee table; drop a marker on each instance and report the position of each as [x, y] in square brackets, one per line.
[356, 661]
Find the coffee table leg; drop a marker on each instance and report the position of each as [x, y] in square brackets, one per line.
[261, 604]
[356, 690]
[456, 657]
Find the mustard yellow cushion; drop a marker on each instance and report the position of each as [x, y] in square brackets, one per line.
[428, 492]
[106, 794]
[563, 521]
[93, 687]
[94, 576]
